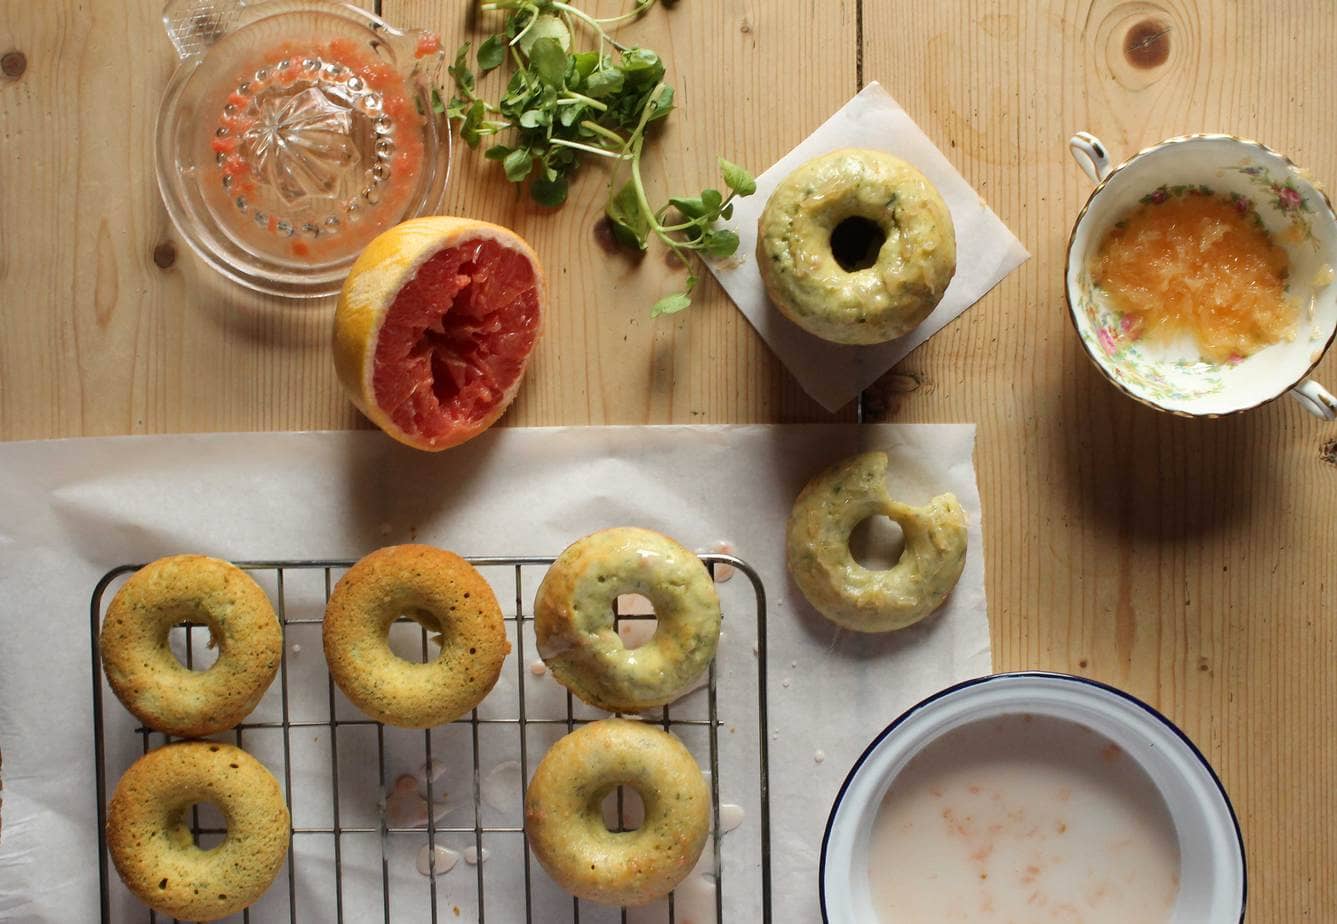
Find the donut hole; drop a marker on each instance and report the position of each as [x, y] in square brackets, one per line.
[415, 636]
[193, 645]
[877, 543]
[623, 809]
[856, 242]
[203, 822]
[634, 616]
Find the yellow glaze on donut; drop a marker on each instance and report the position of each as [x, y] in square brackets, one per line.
[564, 818]
[817, 548]
[574, 626]
[150, 843]
[144, 674]
[445, 594]
[913, 267]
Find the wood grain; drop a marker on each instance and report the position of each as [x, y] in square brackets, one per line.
[98, 338]
[1187, 561]
[603, 360]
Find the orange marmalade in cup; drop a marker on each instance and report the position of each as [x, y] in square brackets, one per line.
[1189, 262]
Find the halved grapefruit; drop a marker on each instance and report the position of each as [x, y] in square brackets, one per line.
[434, 328]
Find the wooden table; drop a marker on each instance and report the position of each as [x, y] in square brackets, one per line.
[1187, 561]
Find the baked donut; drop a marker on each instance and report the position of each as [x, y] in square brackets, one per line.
[150, 841]
[444, 594]
[145, 675]
[574, 625]
[856, 247]
[817, 548]
[564, 815]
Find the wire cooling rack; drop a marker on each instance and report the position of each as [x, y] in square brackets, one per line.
[208, 831]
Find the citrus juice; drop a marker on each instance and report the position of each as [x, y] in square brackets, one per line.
[1201, 265]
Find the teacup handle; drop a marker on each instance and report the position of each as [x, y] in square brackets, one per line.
[1089, 152]
[1315, 399]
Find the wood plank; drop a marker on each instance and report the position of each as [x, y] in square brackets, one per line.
[1187, 561]
[96, 338]
[603, 359]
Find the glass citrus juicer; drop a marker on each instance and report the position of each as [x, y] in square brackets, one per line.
[292, 133]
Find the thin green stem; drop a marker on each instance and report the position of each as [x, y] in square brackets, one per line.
[573, 97]
[627, 16]
[590, 21]
[605, 132]
[589, 148]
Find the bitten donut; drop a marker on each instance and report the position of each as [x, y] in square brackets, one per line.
[564, 817]
[817, 548]
[443, 593]
[856, 247]
[145, 675]
[574, 626]
[150, 842]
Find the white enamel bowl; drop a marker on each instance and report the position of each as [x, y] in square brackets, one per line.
[1172, 377]
[1212, 874]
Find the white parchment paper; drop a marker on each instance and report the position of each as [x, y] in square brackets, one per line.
[75, 508]
[986, 251]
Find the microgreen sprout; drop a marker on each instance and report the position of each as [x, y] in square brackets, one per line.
[561, 104]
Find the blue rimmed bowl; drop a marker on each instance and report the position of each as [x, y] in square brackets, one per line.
[1212, 886]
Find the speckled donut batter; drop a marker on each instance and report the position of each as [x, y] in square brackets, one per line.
[153, 850]
[144, 674]
[573, 619]
[564, 819]
[444, 593]
[913, 265]
[817, 548]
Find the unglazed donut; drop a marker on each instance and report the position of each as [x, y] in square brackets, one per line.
[817, 548]
[574, 626]
[913, 265]
[564, 817]
[145, 675]
[446, 595]
[151, 845]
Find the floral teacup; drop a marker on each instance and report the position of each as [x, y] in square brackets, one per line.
[1298, 216]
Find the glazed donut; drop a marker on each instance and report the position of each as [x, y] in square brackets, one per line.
[574, 626]
[817, 548]
[150, 842]
[443, 593]
[145, 675]
[564, 816]
[856, 247]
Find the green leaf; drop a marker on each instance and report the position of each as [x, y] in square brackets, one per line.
[737, 179]
[551, 193]
[642, 66]
[491, 54]
[470, 131]
[631, 226]
[549, 61]
[570, 115]
[497, 152]
[517, 164]
[534, 118]
[464, 78]
[712, 200]
[662, 103]
[438, 104]
[727, 212]
[690, 208]
[719, 243]
[585, 62]
[546, 27]
[604, 83]
[671, 304]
